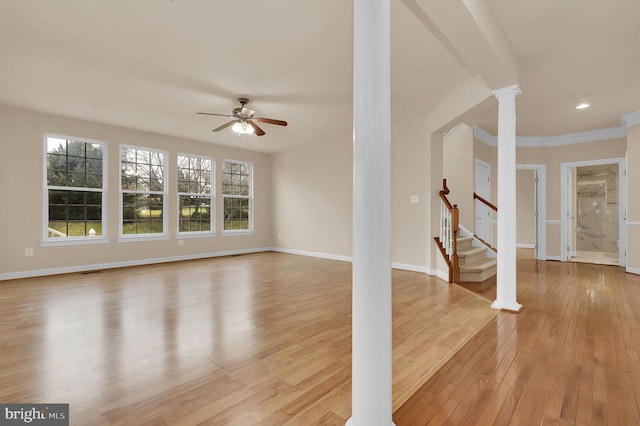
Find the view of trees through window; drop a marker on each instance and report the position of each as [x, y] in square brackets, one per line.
[236, 195]
[74, 187]
[75, 191]
[195, 194]
[142, 190]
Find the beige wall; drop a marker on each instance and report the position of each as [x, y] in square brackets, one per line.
[525, 207]
[633, 200]
[553, 157]
[312, 198]
[21, 172]
[457, 168]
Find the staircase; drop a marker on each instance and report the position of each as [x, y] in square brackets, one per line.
[474, 264]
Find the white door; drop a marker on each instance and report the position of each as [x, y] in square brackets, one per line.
[482, 187]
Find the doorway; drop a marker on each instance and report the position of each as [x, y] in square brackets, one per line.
[483, 214]
[531, 222]
[594, 207]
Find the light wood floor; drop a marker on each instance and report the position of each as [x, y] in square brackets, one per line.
[254, 339]
[572, 356]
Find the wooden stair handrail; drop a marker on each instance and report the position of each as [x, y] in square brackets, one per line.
[453, 264]
[494, 208]
[483, 201]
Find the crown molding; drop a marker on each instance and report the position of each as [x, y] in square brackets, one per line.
[485, 137]
[558, 140]
[630, 119]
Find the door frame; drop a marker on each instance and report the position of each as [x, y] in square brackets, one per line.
[540, 181]
[477, 162]
[565, 169]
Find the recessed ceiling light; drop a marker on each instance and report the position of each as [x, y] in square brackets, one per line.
[583, 105]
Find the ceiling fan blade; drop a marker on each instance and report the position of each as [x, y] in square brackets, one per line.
[271, 121]
[224, 126]
[212, 113]
[257, 129]
[246, 111]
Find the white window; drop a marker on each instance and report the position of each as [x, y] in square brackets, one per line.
[237, 195]
[195, 194]
[142, 192]
[75, 190]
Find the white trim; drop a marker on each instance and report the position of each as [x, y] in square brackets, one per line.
[127, 263]
[633, 270]
[622, 203]
[630, 119]
[313, 254]
[104, 190]
[165, 193]
[235, 232]
[556, 140]
[554, 222]
[439, 274]
[540, 172]
[71, 241]
[557, 258]
[133, 238]
[484, 136]
[195, 234]
[631, 224]
[211, 195]
[527, 246]
[412, 268]
[244, 197]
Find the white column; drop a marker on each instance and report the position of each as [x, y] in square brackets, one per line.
[371, 351]
[506, 273]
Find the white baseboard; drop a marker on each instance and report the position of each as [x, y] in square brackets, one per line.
[412, 268]
[111, 265]
[140, 262]
[313, 254]
[527, 246]
[558, 258]
[633, 270]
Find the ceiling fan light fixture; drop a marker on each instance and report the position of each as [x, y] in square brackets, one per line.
[242, 128]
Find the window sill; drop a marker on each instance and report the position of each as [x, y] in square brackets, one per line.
[53, 242]
[238, 232]
[142, 237]
[195, 234]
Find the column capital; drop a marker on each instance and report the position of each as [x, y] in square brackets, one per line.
[509, 90]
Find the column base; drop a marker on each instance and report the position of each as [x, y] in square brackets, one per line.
[350, 422]
[508, 307]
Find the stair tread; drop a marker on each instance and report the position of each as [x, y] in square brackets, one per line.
[472, 251]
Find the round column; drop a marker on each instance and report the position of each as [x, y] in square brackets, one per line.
[371, 351]
[506, 269]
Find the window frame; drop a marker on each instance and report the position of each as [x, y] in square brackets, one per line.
[249, 197]
[211, 196]
[103, 238]
[164, 235]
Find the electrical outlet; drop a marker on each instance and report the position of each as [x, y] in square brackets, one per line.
[414, 199]
[180, 243]
[28, 252]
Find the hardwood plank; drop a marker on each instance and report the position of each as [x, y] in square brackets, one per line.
[572, 356]
[253, 339]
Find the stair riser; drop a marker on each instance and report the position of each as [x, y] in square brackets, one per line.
[470, 260]
[477, 277]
